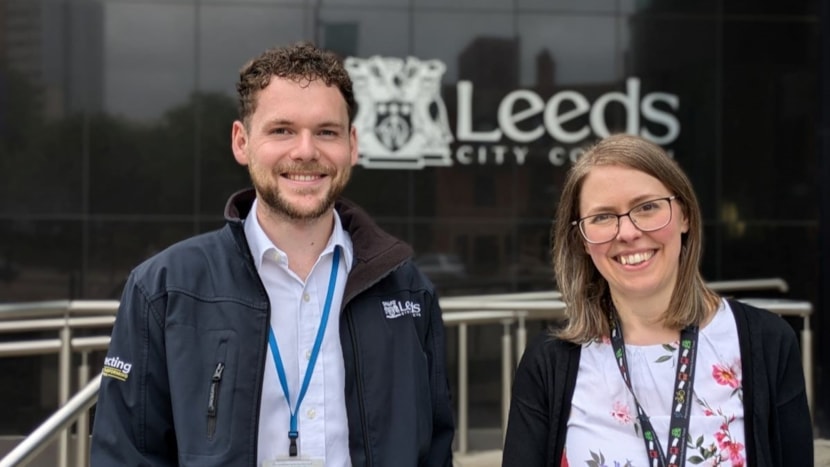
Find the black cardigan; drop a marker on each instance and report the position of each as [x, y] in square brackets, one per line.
[776, 416]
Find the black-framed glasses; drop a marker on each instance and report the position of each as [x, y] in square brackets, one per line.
[647, 216]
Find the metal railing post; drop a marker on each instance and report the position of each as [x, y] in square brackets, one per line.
[521, 336]
[506, 372]
[64, 363]
[807, 360]
[82, 425]
[463, 401]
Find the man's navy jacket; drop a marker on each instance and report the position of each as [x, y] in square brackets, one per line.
[200, 303]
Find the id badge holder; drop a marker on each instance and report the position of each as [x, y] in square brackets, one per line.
[293, 462]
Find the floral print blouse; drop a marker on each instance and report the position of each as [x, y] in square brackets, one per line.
[603, 429]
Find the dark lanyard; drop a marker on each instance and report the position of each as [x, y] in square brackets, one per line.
[293, 434]
[681, 405]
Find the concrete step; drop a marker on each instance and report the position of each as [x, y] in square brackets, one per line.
[822, 453]
[479, 455]
[477, 459]
[492, 458]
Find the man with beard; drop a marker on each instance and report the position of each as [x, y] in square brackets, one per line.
[298, 334]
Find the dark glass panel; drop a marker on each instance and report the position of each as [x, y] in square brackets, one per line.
[770, 74]
[207, 224]
[219, 174]
[395, 193]
[142, 169]
[33, 391]
[584, 50]
[142, 154]
[147, 74]
[755, 250]
[42, 165]
[50, 82]
[436, 35]
[772, 8]
[242, 4]
[678, 56]
[710, 263]
[567, 7]
[229, 35]
[369, 31]
[676, 8]
[530, 266]
[118, 246]
[365, 4]
[504, 6]
[223, 50]
[484, 255]
[40, 259]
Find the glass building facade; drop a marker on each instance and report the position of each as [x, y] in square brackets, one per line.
[115, 121]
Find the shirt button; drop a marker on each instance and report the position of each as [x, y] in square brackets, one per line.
[276, 256]
[306, 297]
[308, 355]
[311, 414]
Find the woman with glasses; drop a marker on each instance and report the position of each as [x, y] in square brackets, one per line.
[651, 368]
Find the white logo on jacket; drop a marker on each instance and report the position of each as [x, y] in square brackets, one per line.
[396, 308]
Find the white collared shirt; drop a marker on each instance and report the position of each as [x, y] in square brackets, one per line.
[296, 310]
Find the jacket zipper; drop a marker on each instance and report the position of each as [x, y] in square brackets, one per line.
[213, 399]
[363, 423]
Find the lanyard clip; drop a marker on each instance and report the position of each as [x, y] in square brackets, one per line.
[292, 447]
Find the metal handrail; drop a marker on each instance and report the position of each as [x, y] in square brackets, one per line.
[748, 285]
[462, 313]
[60, 420]
[56, 308]
[511, 311]
[745, 285]
[63, 316]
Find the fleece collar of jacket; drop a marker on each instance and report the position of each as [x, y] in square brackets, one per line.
[376, 252]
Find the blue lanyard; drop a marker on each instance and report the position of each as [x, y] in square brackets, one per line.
[293, 434]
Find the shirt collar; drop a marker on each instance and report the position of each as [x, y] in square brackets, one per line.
[261, 245]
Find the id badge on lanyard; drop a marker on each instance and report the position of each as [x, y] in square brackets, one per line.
[293, 462]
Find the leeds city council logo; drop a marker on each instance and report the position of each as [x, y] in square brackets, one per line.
[401, 119]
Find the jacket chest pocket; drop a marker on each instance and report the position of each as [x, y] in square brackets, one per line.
[203, 385]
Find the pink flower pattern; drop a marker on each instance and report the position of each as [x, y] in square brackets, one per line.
[722, 451]
[724, 448]
[727, 375]
[718, 449]
[621, 413]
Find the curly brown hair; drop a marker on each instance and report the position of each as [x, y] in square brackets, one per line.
[301, 62]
